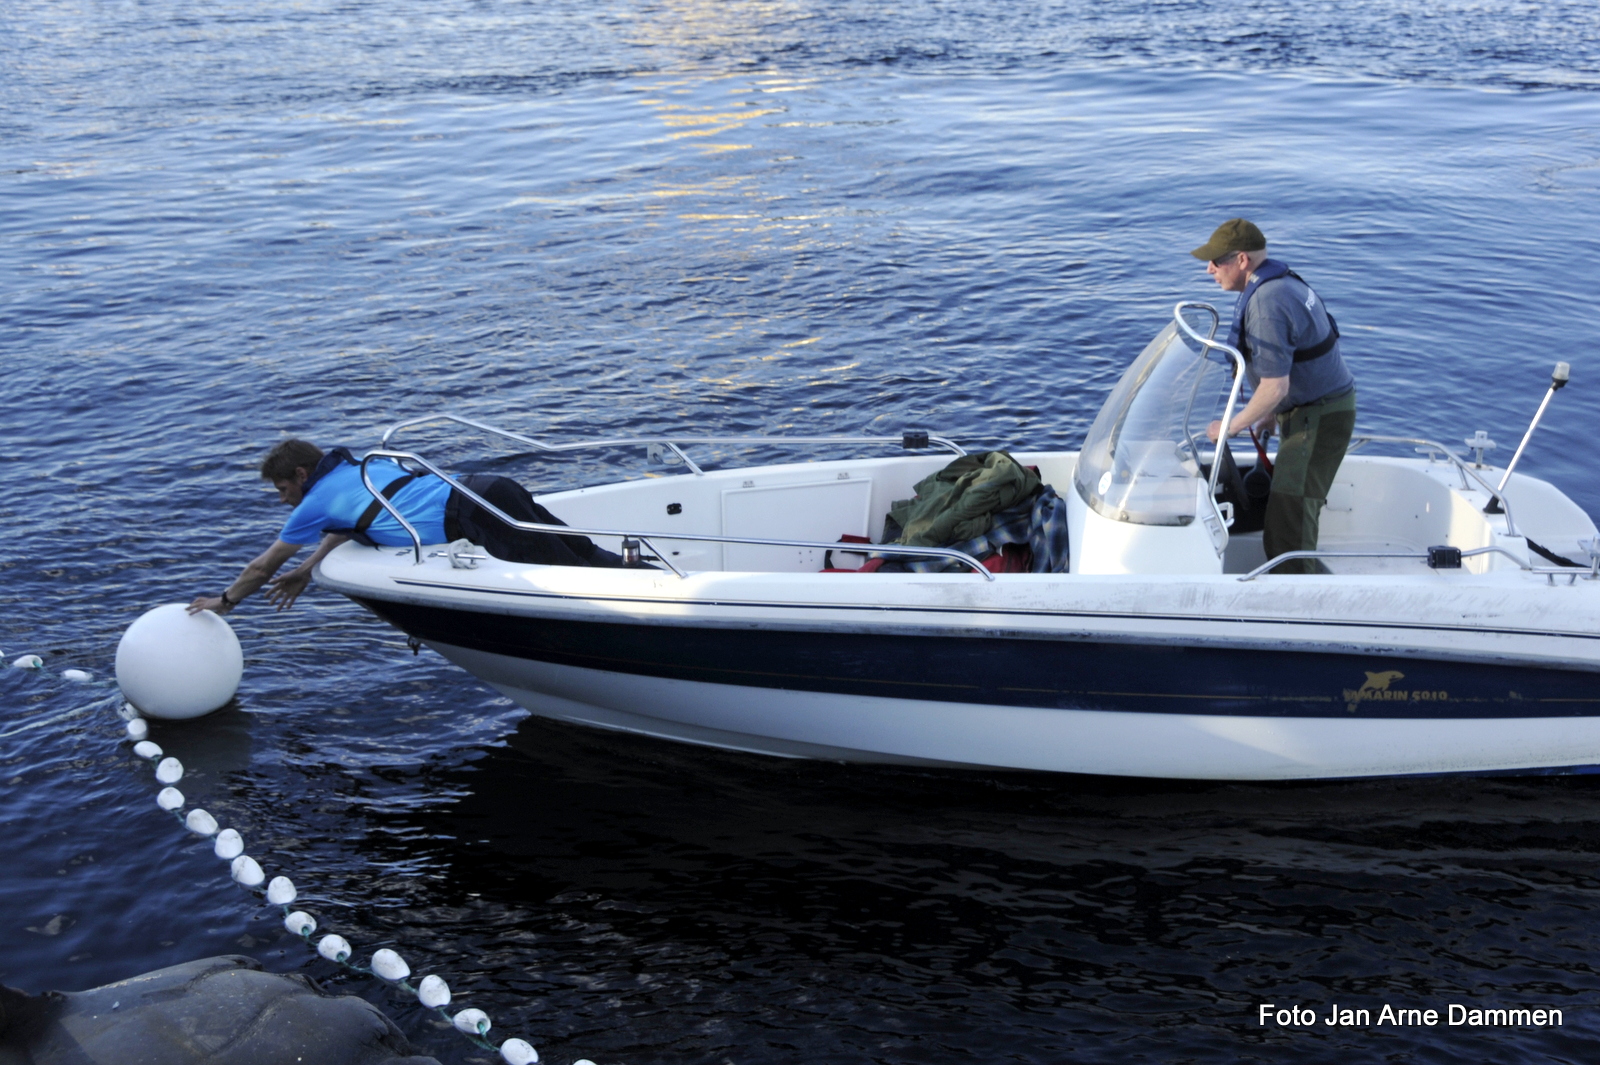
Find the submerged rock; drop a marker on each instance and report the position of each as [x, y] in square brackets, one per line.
[215, 1011]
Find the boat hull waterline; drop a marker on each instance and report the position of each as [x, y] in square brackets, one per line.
[947, 673]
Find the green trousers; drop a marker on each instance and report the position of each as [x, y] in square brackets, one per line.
[1311, 443]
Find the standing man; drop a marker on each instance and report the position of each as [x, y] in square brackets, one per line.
[332, 505]
[1299, 383]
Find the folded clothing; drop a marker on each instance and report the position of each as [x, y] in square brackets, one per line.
[959, 502]
[1040, 523]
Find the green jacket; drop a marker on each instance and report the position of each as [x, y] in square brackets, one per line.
[959, 502]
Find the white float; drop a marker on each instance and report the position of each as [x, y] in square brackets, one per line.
[433, 992]
[247, 871]
[518, 1052]
[334, 948]
[390, 966]
[174, 664]
[229, 844]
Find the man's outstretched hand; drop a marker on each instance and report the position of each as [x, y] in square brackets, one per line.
[283, 591]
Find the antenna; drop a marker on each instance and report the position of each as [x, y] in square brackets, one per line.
[1558, 380]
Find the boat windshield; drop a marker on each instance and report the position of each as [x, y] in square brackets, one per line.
[1140, 462]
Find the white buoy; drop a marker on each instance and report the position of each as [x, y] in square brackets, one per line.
[518, 1052]
[281, 891]
[28, 662]
[433, 992]
[77, 676]
[389, 965]
[247, 871]
[169, 798]
[300, 923]
[200, 823]
[170, 771]
[174, 664]
[147, 749]
[229, 845]
[138, 729]
[127, 711]
[473, 1022]
[334, 948]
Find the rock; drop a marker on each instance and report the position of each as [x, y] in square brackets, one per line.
[216, 1011]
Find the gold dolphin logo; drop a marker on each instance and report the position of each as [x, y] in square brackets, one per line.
[1376, 682]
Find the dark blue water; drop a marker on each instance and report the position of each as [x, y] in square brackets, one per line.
[223, 224]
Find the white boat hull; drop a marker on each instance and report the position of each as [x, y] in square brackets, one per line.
[802, 724]
[1398, 669]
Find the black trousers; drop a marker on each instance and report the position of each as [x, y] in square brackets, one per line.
[464, 519]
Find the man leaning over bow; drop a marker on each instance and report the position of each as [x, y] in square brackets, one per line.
[332, 505]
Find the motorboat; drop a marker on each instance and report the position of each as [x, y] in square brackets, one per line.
[1456, 628]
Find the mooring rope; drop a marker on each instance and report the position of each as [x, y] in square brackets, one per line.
[431, 991]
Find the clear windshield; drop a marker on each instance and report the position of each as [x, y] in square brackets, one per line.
[1140, 462]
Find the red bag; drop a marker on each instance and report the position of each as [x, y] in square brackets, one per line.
[1011, 558]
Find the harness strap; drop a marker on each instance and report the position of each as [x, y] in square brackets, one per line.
[1321, 348]
[390, 490]
[1271, 268]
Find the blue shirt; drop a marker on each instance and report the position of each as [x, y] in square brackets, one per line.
[338, 499]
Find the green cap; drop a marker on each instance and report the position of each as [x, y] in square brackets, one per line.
[1234, 235]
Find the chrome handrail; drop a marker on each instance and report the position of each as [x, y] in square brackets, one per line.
[1233, 393]
[1277, 560]
[669, 441]
[1460, 464]
[567, 530]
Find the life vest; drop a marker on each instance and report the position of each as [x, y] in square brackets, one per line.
[330, 461]
[1271, 270]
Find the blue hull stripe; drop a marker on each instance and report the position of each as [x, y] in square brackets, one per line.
[1011, 671]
